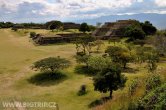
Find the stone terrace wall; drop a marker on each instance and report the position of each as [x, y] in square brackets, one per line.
[70, 25]
[58, 38]
[112, 29]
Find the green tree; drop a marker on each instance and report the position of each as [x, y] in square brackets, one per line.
[141, 54]
[83, 59]
[153, 81]
[98, 43]
[51, 64]
[99, 63]
[134, 32]
[32, 34]
[84, 27]
[6, 24]
[159, 42]
[148, 28]
[92, 28]
[119, 55]
[84, 42]
[152, 59]
[14, 29]
[55, 25]
[109, 79]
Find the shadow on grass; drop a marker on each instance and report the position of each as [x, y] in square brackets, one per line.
[130, 70]
[84, 70]
[47, 78]
[98, 102]
[53, 44]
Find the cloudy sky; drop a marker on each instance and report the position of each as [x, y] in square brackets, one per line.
[71, 10]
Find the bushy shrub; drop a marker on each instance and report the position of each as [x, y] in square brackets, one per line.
[109, 80]
[82, 59]
[119, 55]
[32, 34]
[154, 100]
[88, 71]
[82, 90]
[133, 86]
[152, 82]
[14, 29]
[80, 53]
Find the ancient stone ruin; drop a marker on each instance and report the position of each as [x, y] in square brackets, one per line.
[56, 38]
[112, 29]
[70, 25]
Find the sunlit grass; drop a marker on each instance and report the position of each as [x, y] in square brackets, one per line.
[17, 55]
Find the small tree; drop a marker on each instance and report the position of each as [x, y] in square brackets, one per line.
[84, 43]
[153, 81]
[159, 41]
[55, 25]
[82, 90]
[134, 32]
[92, 28]
[110, 80]
[133, 86]
[119, 55]
[84, 27]
[99, 63]
[83, 59]
[52, 64]
[98, 43]
[148, 28]
[130, 47]
[152, 59]
[32, 34]
[140, 54]
[14, 29]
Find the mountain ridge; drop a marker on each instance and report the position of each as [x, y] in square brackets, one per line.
[157, 20]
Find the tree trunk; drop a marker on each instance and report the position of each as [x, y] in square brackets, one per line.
[110, 94]
[84, 49]
[124, 65]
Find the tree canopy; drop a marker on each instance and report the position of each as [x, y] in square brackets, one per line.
[84, 27]
[83, 42]
[139, 30]
[51, 64]
[134, 32]
[53, 25]
[109, 79]
[148, 28]
[119, 55]
[99, 63]
[6, 24]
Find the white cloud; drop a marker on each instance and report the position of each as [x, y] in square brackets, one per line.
[140, 1]
[13, 4]
[80, 8]
[84, 5]
[156, 11]
[161, 3]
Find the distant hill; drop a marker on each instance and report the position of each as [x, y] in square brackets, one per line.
[158, 20]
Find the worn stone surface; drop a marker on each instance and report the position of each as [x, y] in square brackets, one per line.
[112, 29]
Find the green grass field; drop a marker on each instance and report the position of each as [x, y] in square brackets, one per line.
[17, 53]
